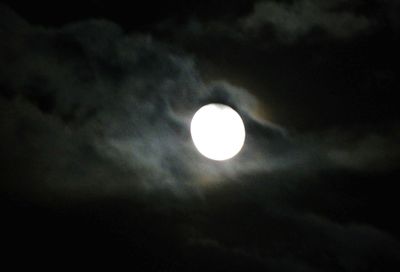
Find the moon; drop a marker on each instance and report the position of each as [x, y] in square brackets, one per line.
[218, 132]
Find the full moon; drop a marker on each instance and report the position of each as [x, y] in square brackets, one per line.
[217, 131]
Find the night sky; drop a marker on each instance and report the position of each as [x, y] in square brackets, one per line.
[98, 168]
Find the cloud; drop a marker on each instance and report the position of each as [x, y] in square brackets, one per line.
[302, 243]
[111, 97]
[298, 18]
[271, 22]
[113, 104]
[94, 127]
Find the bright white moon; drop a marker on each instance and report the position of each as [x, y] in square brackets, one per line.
[217, 131]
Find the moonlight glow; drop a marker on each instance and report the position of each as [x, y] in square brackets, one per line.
[217, 131]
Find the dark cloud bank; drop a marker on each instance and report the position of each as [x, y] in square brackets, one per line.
[98, 167]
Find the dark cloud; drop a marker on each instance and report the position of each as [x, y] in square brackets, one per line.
[310, 244]
[269, 22]
[299, 18]
[96, 158]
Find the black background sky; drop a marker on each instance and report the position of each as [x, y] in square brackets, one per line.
[97, 164]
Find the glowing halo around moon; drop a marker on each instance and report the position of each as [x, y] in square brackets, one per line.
[218, 132]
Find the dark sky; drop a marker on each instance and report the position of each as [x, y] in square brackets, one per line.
[97, 165]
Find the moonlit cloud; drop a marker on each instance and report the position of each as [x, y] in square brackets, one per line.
[129, 97]
[95, 131]
[128, 100]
